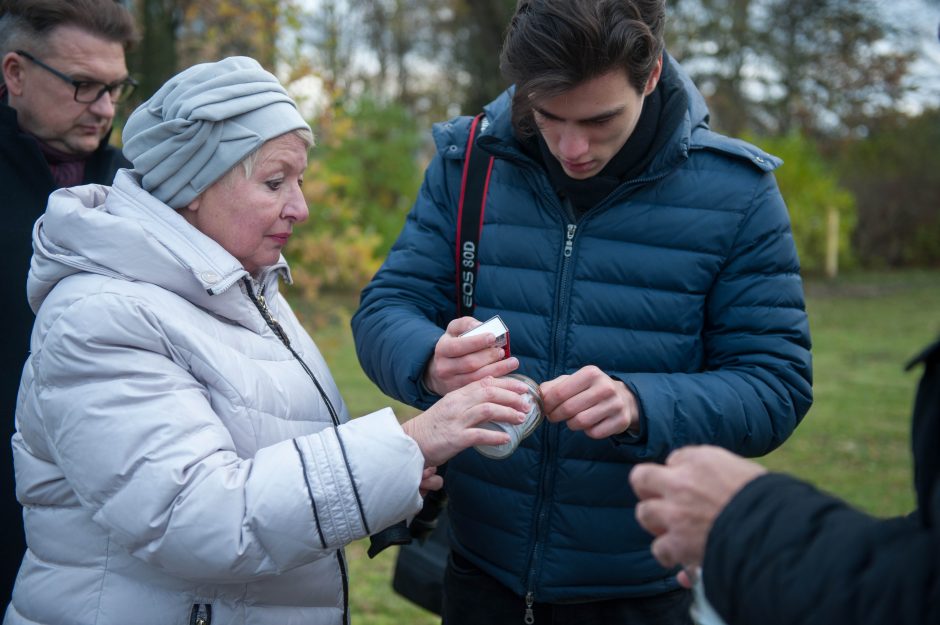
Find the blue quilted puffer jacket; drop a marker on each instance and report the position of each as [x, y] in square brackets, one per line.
[683, 283]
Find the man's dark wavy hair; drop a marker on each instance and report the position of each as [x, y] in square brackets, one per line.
[27, 23]
[552, 46]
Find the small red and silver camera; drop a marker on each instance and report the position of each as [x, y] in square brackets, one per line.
[495, 326]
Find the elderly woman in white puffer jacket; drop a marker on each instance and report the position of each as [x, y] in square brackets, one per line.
[182, 453]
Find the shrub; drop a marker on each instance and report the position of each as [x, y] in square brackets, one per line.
[811, 190]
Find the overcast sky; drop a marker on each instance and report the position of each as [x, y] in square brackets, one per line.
[923, 18]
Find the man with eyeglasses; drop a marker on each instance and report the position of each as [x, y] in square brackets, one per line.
[64, 73]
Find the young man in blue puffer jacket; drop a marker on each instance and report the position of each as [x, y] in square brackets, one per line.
[647, 273]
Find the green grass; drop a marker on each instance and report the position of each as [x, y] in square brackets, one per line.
[854, 442]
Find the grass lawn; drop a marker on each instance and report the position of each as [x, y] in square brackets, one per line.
[854, 441]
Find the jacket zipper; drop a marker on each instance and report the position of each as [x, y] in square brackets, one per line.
[569, 240]
[549, 441]
[201, 614]
[547, 474]
[262, 306]
[341, 560]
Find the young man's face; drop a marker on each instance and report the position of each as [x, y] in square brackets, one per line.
[45, 104]
[585, 127]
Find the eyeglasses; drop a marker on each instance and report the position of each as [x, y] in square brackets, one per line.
[88, 91]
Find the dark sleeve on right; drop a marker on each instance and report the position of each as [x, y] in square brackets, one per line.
[782, 552]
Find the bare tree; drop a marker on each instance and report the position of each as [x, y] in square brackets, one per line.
[431, 56]
[824, 66]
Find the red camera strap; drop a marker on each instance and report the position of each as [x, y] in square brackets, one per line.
[477, 168]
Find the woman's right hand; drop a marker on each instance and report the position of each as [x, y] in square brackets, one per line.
[452, 424]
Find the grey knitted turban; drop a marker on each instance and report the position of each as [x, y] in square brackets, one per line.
[204, 121]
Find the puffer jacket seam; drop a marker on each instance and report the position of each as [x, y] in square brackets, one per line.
[81, 300]
[352, 480]
[187, 357]
[744, 216]
[104, 574]
[100, 507]
[313, 503]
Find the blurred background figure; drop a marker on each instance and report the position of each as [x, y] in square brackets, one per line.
[64, 75]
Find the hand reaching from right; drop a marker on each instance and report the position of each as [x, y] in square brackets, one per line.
[452, 424]
[679, 501]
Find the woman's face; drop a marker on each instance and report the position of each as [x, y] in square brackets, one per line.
[253, 217]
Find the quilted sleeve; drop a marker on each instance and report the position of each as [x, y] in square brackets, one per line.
[756, 385]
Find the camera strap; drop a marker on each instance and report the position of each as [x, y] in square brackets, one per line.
[422, 584]
[477, 168]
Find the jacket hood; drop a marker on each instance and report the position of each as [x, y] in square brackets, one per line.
[124, 232]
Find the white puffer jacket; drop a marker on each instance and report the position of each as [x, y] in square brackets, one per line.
[175, 460]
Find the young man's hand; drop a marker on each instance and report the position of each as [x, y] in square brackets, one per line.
[592, 401]
[460, 360]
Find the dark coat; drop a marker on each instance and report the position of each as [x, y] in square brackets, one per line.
[25, 185]
[683, 283]
[783, 552]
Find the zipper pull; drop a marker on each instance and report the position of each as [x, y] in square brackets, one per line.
[201, 615]
[529, 598]
[569, 240]
[275, 325]
[264, 306]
